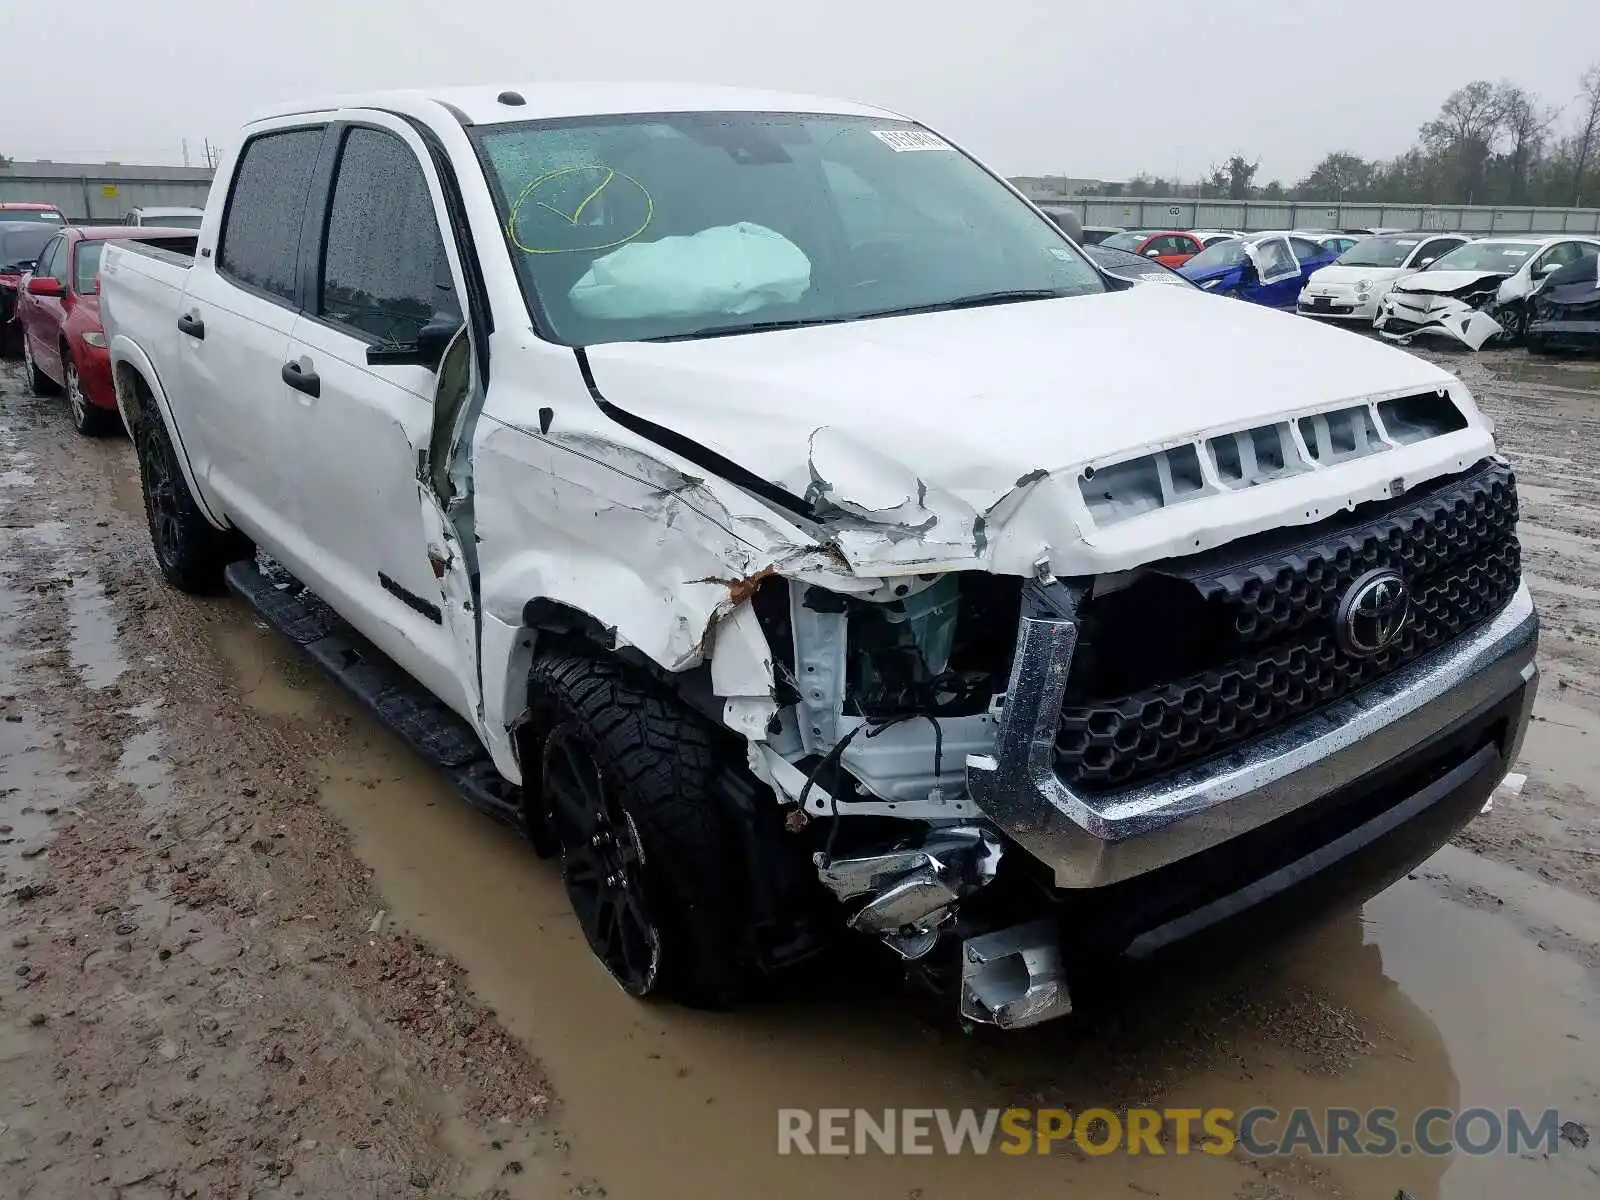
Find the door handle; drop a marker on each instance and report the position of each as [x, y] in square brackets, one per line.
[302, 380]
[193, 326]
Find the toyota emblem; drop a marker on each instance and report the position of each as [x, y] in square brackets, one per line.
[1372, 613]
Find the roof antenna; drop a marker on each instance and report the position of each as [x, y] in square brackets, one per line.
[512, 99]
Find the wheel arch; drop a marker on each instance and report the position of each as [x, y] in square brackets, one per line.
[138, 388]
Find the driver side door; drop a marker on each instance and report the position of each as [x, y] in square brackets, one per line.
[384, 282]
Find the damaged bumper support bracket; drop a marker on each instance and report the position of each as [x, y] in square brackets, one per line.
[1094, 840]
[911, 893]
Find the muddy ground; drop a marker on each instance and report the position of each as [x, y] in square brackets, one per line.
[249, 947]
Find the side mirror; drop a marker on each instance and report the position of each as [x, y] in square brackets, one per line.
[45, 285]
[1550, 268]
[1424, 262]
[1152, 254]
[433, 339]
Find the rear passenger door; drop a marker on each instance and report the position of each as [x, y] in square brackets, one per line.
[233, 336]
[384, 270]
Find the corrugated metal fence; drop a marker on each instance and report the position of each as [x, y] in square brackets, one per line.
[103, 191]
[1139, 212]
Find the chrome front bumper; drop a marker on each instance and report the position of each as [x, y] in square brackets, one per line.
[1089, 841]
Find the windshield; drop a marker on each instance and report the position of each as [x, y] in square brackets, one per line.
[1216, 256]
[1487, 256]
[173, 220]
[1125, 241]
[1136, 268]
[1379, 252]
[86, 266]
[697, 224]
[23, 245]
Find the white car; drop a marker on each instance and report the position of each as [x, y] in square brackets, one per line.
[1477, 292]
[758, 503]
[168, 217]
[1351, 287]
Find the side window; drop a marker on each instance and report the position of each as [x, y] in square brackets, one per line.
[261, 232]
[1304, 249]
[47, 257]
[61, 262]
[1437, 248]
[384, 270]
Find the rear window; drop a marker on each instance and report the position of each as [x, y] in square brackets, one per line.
[261, 231]
[173, 220]
[44, 216]
[23, 245]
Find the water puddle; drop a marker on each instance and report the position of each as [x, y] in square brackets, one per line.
[1425, 999]
[270, 676]
[95, 653]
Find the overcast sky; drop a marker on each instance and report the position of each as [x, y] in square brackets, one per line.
[1086, 88]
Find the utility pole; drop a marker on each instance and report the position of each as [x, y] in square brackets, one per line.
[186, 152]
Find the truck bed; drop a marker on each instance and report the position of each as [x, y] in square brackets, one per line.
[142, 295]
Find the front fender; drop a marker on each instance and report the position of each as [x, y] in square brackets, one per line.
[126, 356]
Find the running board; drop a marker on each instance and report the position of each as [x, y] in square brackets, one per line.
[437, 734]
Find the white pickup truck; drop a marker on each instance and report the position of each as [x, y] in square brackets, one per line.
[765, 507]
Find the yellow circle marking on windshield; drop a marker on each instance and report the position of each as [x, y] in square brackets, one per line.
[577, 214]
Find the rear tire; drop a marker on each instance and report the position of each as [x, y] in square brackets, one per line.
[626, 785]
[190, 551]
[39, 383]
[87, 419]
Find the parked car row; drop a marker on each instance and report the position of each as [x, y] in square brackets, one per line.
[1404, 284]
[1470, 291]
[50, 309]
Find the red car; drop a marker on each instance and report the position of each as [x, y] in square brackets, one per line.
[58, 308]
[1170, 248]
[21, 210]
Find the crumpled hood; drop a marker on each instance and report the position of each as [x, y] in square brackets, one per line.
[1450, 281]
[1339, 275]
[972, 402]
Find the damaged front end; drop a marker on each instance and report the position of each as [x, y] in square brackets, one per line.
[1472, 315]
[1566, 310]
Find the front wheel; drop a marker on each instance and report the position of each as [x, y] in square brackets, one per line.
[87, 419]
[651, 869]
[190, 551]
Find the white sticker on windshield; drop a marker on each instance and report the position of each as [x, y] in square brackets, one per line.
[1403, 242]
[1516, 253]
[910, 139]
[1061, 252]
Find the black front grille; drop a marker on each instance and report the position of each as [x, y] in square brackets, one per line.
[1270, 608]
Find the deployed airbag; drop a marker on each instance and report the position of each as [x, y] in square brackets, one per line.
[732, 269]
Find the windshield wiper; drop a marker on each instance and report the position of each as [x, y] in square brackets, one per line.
[711, 331]
[1014, 296]
[978, 301]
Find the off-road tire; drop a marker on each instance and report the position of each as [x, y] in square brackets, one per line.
[658, 761]
[39, 383]
[88, 419]
[190, 551]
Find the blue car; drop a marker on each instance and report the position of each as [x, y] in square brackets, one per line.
[1263, 268]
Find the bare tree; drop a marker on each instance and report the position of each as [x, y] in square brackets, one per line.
[1588, 135]
[1469, 123]
[1526, 123]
